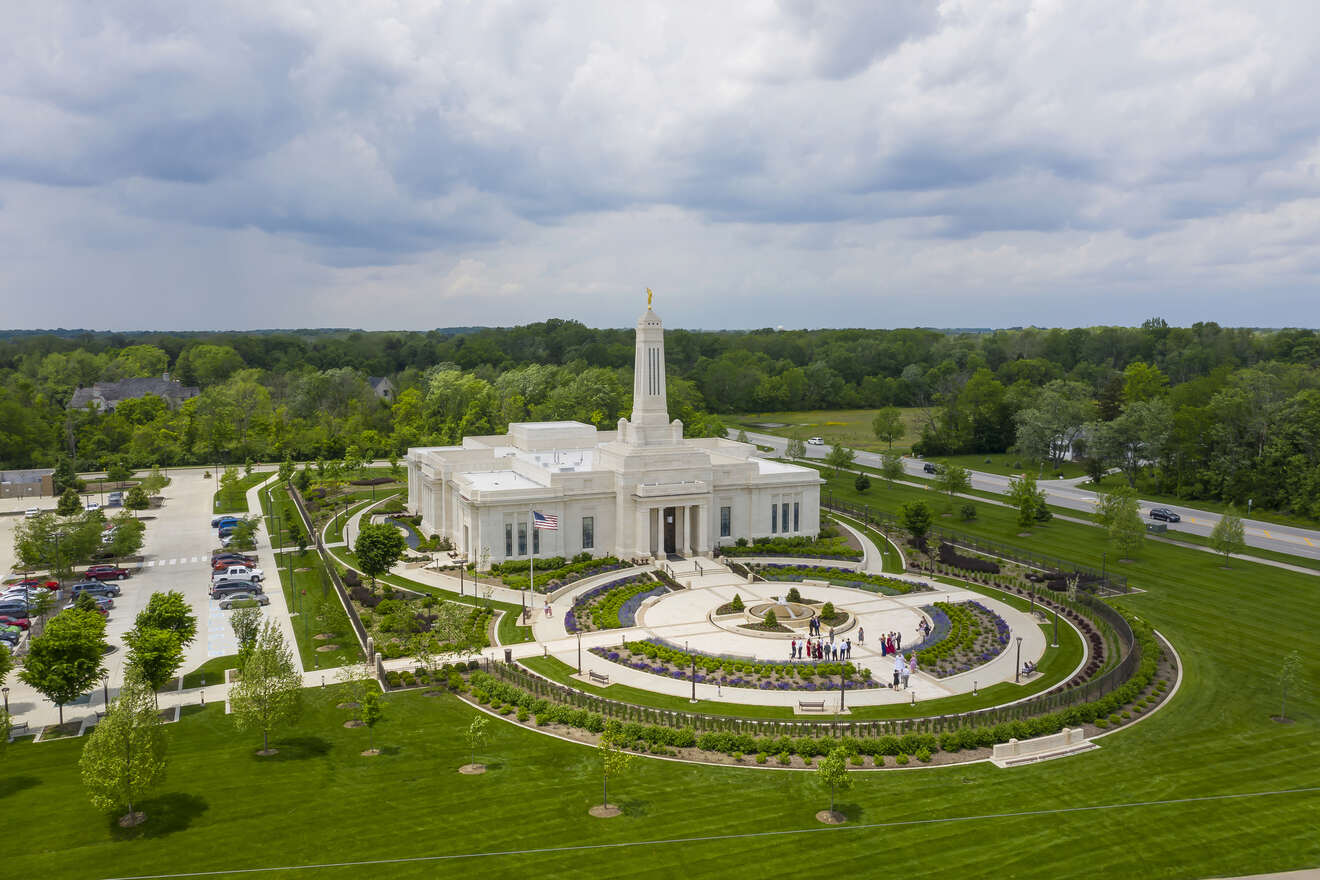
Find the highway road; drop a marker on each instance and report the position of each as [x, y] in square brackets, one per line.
[1070, 494]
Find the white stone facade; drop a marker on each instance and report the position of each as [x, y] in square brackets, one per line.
[641, 491]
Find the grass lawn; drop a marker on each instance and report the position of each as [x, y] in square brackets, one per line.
[1145, 488]
[1011, 465]
[210, 672]
[310, 592]
[1208, 786]
[851, 427]
[237, 502]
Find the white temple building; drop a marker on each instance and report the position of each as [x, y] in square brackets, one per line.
[641, 491]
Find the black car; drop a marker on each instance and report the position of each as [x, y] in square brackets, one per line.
[96, 588]
[930, 468]
[1164, 514]
[222, 589]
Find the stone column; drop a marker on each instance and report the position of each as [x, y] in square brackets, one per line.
[642, 524]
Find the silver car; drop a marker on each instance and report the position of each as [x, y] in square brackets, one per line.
[233, 600]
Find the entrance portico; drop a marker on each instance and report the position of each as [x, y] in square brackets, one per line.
[678, 529]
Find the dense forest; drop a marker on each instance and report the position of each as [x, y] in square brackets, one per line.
[1203, 412]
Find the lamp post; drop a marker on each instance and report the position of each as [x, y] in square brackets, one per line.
[105, 689]
[1055, 643]
[579, 635]
[5, 691]
[1017, 673]
[693, 660]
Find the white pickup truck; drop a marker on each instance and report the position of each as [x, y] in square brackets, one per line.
[237, 573]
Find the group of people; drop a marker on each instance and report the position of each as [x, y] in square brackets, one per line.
[819, 649]
[904, 668]
[891, 643]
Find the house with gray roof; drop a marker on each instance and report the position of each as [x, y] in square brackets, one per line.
[105, 396]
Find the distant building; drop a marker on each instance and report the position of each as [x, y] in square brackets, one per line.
[105, 396]
[31, 482]
[383, 387]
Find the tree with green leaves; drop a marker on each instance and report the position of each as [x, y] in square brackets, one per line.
[742, 437]
[888, 425]
[1120, 514]
[916, 517]
[246, 624]
[371, 709]
[154, 481]
[66, 660]
[155, 654]
[118, 471]
[476, 735]
[421, 647]
[953, 479]
[231, 489]
[6, 663]
[244, 536]
[862, 483]
[614, 761]
[395, 468]
[128, 536]
[169, 611]
[66, 477]
[840, 458]
[832, 771]
[268, 692]
[1290, 677]
[795, 449]
[1028, 500]
[70, 503]
[136, 499]
[378, 547]
[891, 466]
[125, 757]
[286, 470]
[1228, 536]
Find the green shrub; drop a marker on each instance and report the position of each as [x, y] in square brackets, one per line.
[523, 714]
[785, 758]
[856, 760]
[923, 755]
[770, 620]
[738, 756]
[794, 595]
[737, 603]
[760, 757]
[901, 759]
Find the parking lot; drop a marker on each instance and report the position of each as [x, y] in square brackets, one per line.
[176, 556]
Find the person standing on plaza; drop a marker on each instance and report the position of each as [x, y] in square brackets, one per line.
[899, 668]
[905, 674]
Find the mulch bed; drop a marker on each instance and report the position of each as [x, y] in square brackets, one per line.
[60, 731]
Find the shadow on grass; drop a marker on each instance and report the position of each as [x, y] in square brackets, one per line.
[634, 807]
[15, 784]
[855, 812]
[389, 750]
[295, 748]
[166, 814]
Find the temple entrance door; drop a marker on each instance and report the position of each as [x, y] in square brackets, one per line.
[671, 543]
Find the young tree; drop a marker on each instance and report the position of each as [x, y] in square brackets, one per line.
[118, 471]
[795, 449]
[154, 482]
[269, 690]
[155, 654]
[246, 624]
[613, 761]
[832, 771]
[395, 468]
[66, 476]
[127, 537]
[1120, 513]
[1290, 676]
[125, 756]
[244, 536]
[378, 547]
[1228, 536]
[421, 648]
[742, 437]
[6, 663]
[371, 709]
[475, 736]
[1029, 501]
[231, 489]
[136, 499]
[888, 425]
[891, 466]
[286, 470]
[171, 612]
[953, 479]
[65, 661]
[916, 518]
[862, 483]
[70, 503]
[840, 458]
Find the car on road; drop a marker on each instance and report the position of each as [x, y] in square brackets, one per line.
[930, 468]
[815, 441]
[31, 512]
[229, 588]
[96, 588]
[1164, 514]
[34, 582]
[20, 622]
[234, 599]
[237, 573]
[106, 573]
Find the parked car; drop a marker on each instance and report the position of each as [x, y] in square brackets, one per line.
[103, 605]
[31, 512]
[225, 520]
[91, 506]
[23, 594]
[234, 599]
[224, 589]
[34, 582]
[114, 499]
[226, 531]
[15, 608]
[815, 441]
[9, 638]
[106, 573]
[930, 468]
[96, 588]
[20, 622]
[1163, 513]
[238, 573]
[238, 558]
[108, 536]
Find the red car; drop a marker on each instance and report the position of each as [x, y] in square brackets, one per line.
[106, 573]
[20, 622]
[33, 583]
[220, 563]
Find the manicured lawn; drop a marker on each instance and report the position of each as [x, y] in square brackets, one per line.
[312, 597]
[238, 502]
[1011, 465]
[850, 427]
[210, 672]
[1145, 488]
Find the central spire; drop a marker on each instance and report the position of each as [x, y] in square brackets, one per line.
[650, 412]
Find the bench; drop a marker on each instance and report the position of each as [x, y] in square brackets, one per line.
[811, 705]
[597, 678]
[17, 728]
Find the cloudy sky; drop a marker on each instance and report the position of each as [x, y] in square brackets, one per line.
[377, 164]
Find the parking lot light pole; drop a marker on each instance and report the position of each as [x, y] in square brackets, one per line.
[1017, 673]
[5, 691]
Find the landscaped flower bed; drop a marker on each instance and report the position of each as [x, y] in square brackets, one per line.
[843, 577]
[828, 545]
[553, 572]
[612, 605]
[977, 635]
[657, 659]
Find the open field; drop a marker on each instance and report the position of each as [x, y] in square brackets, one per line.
[850, 427]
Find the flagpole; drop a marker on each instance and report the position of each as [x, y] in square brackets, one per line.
[531, 560]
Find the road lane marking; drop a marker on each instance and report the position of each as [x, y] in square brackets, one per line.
[1267, 534]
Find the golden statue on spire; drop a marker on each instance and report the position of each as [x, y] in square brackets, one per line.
[648, 297]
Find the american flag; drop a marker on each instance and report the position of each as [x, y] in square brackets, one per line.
[545, 521]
